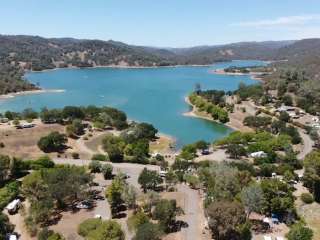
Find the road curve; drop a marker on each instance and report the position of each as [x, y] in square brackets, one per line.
[307, 144]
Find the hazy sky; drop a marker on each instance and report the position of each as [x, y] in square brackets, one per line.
[169, 23]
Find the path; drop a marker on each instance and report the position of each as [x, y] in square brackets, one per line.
[194, 215]
[307, 144]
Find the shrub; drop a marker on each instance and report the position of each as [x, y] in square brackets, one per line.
[75, 155]
[88, 225]
[16, 122]
[31, 226]
[54, 142]
[307, 198]
[99, 157]
[106, 170]
[300, 232]
[148, 231]
[136, 220]
[42, 162]
[8, 193]
[2, 145]
[46, 234]
[95, 167]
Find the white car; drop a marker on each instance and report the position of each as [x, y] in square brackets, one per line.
[12, 237]
[83, 206]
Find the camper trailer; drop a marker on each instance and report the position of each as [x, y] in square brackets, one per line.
[14, 206]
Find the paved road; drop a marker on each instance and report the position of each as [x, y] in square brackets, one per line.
[194, 215]
[307, 144]
[131, 169]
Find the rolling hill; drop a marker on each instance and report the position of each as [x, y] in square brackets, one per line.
[20, 53]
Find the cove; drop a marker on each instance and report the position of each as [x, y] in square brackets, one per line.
[154, 95]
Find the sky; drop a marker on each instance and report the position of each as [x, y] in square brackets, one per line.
[164, 23]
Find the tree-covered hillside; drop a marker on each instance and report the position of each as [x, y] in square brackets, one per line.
[20, 53]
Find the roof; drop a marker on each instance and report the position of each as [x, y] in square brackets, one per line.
[13, 237]
[285, 108]
[13, 204]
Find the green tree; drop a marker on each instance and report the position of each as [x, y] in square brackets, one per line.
[171, 178]
[129, 196]
[136, 220]
[4, 168]
[236, 151]
[88, 226]
[54, 142]
[284, 116]
[72, 112]
[202, 145]
[149, 179]
[165, 212]
[311, 177]
[225, 219]
[114, 194]
[114, 146]
[226, 182]
[252, 198]
[75, 129]
[51, 116]
[109, 230]
[5, 226]
[287, 100]
[46, 234]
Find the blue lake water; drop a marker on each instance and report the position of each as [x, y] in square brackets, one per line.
[154, 95]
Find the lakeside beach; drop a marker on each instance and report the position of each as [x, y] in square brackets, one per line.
[253, 75]
[30, 92]
[233, 123]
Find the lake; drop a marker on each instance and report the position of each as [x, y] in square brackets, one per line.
[154, 95]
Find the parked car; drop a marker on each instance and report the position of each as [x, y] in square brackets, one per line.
[84, 205]
[11, 236]
[205, 152]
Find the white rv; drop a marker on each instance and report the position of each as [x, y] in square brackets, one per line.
[14, 206]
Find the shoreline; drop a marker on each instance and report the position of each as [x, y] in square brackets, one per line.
[30, 92]
[193, 113]
[253, 75]
[120, 67]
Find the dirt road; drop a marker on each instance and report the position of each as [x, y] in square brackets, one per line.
[307, 144]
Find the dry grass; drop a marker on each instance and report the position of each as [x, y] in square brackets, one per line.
[311, 214]
[180, 197]
[23, 143]
[161, 145]
[96, 141]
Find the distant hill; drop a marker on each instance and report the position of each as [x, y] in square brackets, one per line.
[302, 55]
[19, 53]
